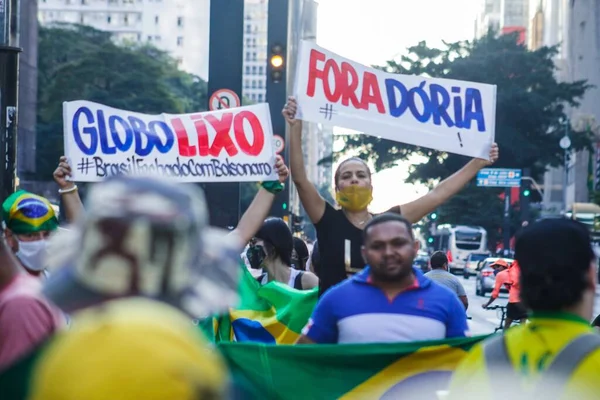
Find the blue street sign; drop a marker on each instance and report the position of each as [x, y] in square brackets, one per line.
[499, 177]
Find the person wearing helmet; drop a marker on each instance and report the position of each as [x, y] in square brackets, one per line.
[271, 249]
[508, 276]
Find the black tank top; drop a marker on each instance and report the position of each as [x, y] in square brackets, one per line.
[339, 243]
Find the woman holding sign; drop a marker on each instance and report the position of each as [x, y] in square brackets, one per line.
[339, 232]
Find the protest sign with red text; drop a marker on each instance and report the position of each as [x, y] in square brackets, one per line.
[442, 114]
[231, 145]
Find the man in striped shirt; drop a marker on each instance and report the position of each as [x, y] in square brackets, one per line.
[440, 275]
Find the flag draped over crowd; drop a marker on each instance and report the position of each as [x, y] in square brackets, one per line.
[373, 371]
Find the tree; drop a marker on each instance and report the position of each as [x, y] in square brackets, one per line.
[80, 63]
[529, 116]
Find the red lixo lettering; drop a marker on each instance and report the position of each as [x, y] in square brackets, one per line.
[257, 131]
[222, 138]
[183, 141]
[338, 79]
[350, 85]
[371, 93]
[201, 133]
[314, 72]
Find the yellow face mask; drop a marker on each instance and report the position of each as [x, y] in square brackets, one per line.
[354, 198]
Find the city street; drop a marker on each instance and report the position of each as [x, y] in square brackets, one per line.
[485, 321]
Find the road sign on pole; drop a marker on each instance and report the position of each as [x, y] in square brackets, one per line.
[499, 177]
[224, 98]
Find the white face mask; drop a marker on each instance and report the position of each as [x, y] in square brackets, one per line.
[33, 254]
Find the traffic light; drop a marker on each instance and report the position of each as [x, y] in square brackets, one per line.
[284, 206]
[430, 240]
[526, 192]
[277, 61]
[433, 216]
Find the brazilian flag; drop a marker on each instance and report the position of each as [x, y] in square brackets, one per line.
[272, 314]
[347, 372]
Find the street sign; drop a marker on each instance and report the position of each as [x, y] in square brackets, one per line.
[224, 98]
[499, 177]
[278, 143]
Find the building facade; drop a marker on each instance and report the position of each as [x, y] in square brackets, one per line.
[575, 27]
[179, 27]
[254, 84]
[504, 16]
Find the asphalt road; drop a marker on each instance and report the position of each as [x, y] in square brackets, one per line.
[485, 321]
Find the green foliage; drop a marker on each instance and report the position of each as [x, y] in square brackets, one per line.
[80, 63]
[529, 114]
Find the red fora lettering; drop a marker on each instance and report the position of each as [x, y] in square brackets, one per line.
[346, 83]
[223, 138]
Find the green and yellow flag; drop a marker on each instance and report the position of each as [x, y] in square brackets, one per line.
[272, 314]
[347, 372]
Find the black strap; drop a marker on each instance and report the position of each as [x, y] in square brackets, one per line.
[298, 280]
[556, 376]
[502, 374]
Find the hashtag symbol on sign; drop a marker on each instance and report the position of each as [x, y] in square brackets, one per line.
[327, 111]
[84, 165]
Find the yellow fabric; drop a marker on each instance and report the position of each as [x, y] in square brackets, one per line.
[128, 350]
[354, 197]
[531, 349]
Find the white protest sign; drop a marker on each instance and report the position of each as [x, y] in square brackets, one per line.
[230, 145]
[442, 114]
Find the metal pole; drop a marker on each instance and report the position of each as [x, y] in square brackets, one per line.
[566, 147]
[5, 19]
[225, 70]
[565, 181]
[506, 229]
[9, 88]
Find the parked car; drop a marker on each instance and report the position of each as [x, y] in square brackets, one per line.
[422, 261]
[486, 279]
[472, 262]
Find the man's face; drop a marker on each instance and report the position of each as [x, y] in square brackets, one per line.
[13, 238]
[390, 251]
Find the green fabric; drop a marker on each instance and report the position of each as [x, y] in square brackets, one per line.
[24, 212]
[273, 186]
[266, 372]
[15, 381]
[273, 313]
[565, 316]
[378, 371]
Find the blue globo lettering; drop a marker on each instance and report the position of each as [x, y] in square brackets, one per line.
[140, 133]
[162, 148]
[109, 134]
[104, 145]
[88, 130]
[113, 124]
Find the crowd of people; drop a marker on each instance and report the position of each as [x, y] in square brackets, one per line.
[142, 251]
